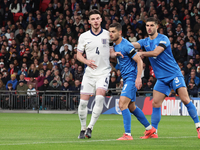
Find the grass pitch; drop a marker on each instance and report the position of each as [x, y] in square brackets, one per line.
[60, 132]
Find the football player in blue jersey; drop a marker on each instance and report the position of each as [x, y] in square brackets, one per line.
[130, 65]
[167, 72]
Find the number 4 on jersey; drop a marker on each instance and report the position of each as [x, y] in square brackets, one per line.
[97, 51]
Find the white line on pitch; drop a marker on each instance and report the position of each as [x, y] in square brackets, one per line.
[88, 141]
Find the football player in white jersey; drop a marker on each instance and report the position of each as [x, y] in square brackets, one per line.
[95, 43]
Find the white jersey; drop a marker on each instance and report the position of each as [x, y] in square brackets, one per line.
[96, 48]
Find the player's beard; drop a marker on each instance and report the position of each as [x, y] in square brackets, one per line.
[153, 32]
[115, 39]
[96, 28]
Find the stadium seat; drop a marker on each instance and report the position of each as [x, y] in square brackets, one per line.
[44, 5]
[28, 78]
[16, 16]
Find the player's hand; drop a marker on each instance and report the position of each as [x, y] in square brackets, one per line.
[91, 64]
[138, 83]
[119, 54]
[139, 53]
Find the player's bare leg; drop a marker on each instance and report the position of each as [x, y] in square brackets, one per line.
[82, 113]
[158, 98]
[123, 105]
[137, 112]
[183, 94]
[98, 107]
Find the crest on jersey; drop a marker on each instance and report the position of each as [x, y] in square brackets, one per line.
[104, 42]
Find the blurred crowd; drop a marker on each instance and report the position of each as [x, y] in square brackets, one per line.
[38, 50]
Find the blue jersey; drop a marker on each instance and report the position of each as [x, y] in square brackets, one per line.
[127, 66]
[164, 65]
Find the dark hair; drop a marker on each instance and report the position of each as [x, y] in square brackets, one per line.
[94, 11]
[116, 25]
[9, 84]
[152, 19]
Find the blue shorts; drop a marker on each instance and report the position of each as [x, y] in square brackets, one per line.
[129, 90]
[165, 87]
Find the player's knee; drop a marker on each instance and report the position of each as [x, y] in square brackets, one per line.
[185, 100]
[99, 100]
[83, 104]
[122, 106]
[156, 103]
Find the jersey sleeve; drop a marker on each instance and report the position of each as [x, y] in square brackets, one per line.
[164, 42]
[141, 42]
[130, 50]
[80, 46]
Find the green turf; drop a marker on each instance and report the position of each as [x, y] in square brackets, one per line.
[60, 132]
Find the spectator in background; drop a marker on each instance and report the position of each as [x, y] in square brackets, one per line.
[32, 71]
[1, 66]
[48, 75]
[187, 68]
[54, 87]
[149, 87]
[65, 73]
[193, 78]
[118, 75]
[43, 88]
[74, 101]
[66, 86]
[13, 81]
[33, 81]
[6, 100]
[8, 14]
[11, 68]
[57, 79]
[21, 88]
[41, 78]
[22, 71]
[192, 90]
[119, 86]
[31, 93]
[14, 7]
[25, 8]
[46, 61]
[2, 86]
[5, 78]
[71, 82]
[112, 82]
[30, 30]
[62, 63]
[190, 47]
[44, 68]
[21, 78]
[78, 74]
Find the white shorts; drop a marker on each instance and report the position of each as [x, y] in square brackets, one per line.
[90, 84]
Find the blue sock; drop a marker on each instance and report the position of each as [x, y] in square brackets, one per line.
[127, 120]
[141, 117]
[192, 112]
[155, 117]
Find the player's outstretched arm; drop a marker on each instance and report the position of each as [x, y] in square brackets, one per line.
[114, 54]
[138, 81]
[136, 45]
[153, 53]
[89, 63]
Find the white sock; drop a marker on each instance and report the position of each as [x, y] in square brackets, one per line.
[98, 107]
[149, 127]
[129, 134]
[82, 113]
[197, 125]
